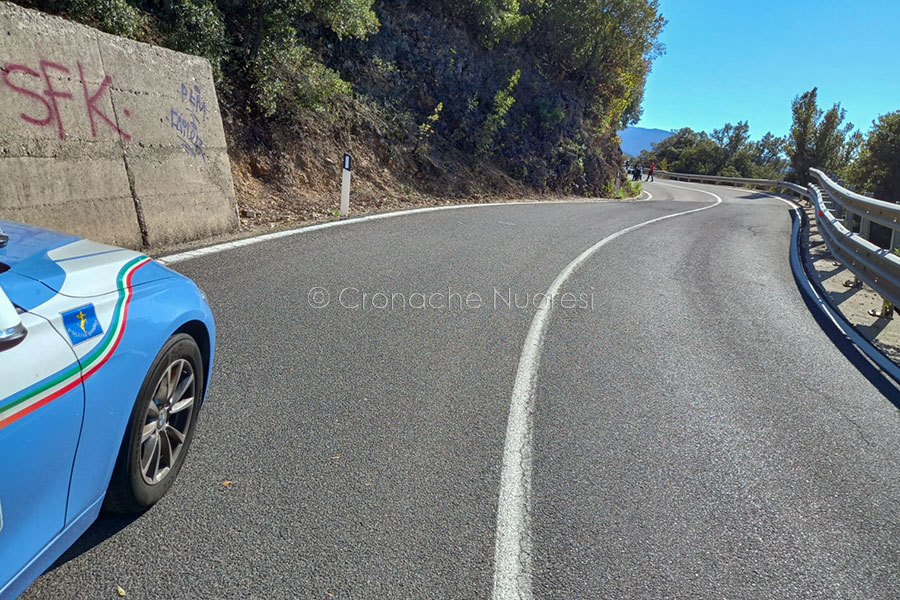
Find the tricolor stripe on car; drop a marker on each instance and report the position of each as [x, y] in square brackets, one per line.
[23, 402]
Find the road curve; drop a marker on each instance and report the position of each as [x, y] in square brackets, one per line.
[695, 433]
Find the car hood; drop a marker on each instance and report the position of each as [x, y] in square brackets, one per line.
[61, 263]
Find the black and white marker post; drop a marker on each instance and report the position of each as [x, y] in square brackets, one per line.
[345, 185]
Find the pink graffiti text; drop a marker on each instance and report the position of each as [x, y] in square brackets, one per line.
[45, 112]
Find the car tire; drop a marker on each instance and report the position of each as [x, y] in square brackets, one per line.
[160, 429]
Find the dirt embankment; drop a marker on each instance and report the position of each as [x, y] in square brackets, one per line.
[284, 177]
[423, 91]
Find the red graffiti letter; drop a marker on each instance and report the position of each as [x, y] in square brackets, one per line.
[7, 70]
[91, 99]
[54, 94]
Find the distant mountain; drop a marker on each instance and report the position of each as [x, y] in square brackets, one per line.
[635, 139]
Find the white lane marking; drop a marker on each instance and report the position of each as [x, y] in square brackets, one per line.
[512, 551]
[182, 256]
[649, 195]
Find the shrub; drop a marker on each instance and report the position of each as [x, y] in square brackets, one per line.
[288, 77]
[426, 129]
[630, 189]
[551, 114]
[496, 120]
[112, 16]
[729, 171]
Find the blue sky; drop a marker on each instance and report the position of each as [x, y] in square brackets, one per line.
[739, 60]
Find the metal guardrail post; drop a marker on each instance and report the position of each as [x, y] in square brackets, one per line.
[864, 228]
[864, 234]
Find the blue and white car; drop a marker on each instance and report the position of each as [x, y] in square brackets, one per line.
[105, 357]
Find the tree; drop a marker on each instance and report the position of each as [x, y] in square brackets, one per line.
[767, 157]
[703, 158]
[877, 169]
[731, 140]
[605, 47]
[818, 139]
[669, 150]
[726, 151]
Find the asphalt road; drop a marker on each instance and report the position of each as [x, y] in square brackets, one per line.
[696, 434]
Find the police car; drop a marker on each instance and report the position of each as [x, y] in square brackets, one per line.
[105, 356]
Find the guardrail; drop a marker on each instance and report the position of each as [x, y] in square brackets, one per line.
[862, 233]
[799, 190]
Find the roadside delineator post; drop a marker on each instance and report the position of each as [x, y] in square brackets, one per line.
[345, 185]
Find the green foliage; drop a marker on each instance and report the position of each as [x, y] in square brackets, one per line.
[730, 171]
[426, 129]
[578, 68]
[118, 17]
[727, 151]
[551, 114]
[494, 20]
[197, 28]
[818, 139]
[256, 42]
[287, 77]
[605, 47]
[384, 67]
[732, 140]
[256, 20]
[767, 157]
[346, 18]
[496, 120]
[630, 189]
[877, 169]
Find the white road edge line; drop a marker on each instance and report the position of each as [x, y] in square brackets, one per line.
[216, 248]
[867, 348]
[649, 195]
[512, 551]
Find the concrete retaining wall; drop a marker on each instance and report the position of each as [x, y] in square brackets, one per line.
[107, 138]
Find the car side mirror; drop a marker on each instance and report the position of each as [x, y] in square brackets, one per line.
[12, 332]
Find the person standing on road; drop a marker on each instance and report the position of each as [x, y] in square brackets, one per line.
[650, 172]
[638, 172]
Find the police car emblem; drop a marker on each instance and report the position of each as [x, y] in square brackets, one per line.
[81, 324]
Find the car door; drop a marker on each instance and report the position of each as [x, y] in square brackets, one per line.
[41, 409]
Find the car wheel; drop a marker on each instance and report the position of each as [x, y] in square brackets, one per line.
[160, 429]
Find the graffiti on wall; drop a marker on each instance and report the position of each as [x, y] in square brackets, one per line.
[187, 119]
[39, 87]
